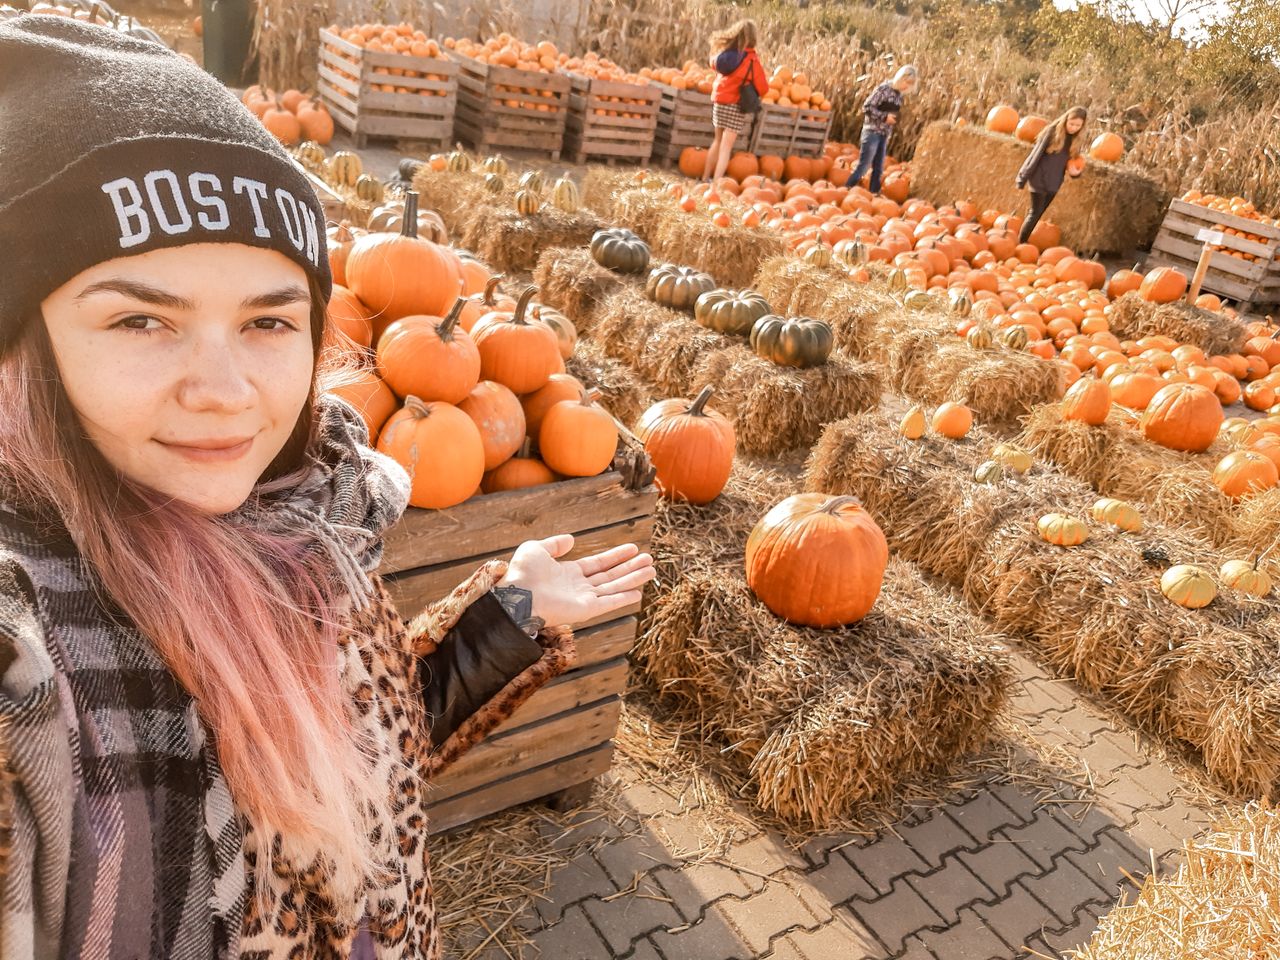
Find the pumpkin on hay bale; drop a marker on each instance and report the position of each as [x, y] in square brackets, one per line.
[1095, 612]
[571, 281]
[1111, 209]
[457, 196]
[1132, 318]
[622, 393]
[506, 239]
[602, 186]
[819, 721]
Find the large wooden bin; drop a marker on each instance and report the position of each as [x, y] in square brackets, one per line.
[593, 131]
[502, 107]
[347, 75]
[561, 739]
[790, 131]
[684, 120]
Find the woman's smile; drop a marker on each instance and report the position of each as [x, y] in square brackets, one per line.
[210, 450]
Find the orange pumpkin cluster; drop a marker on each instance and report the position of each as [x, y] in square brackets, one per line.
[790, 87]
[692, 76]
[1238, 207]
[404, 39]
[836, 164]
[291, 116]
[504, 50]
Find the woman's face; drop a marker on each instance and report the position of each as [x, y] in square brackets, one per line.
[1074, 125]
[188, 367]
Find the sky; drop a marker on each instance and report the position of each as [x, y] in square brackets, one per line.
[1217, 10]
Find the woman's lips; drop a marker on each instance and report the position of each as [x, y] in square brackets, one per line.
[210, 451]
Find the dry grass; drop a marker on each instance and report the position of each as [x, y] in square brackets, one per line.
[507, 240]
[1132, 318]
[1221, 902]
[457, 197]
[572, 282]
[602, 186]
[1094, 612]
[816, 720]
[622, 392]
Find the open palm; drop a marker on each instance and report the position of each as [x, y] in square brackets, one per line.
[571, 592]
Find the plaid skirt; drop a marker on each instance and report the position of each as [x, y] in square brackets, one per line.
[728, 116]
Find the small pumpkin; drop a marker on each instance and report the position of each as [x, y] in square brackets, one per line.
[458, 161]
[564, 196]
[731, 311]
[1188, 586]
[819, 255]
[345, 168]
[913, 424]
[979, 337]
[1245, 577]
[440, 448]
[369, 189]
[677, 287]
[311, 154]
[960, 303]
[431, 358]
[565, 331]
[527, 203]
[559, 386]
[531, 180]
[620, 250]
[521, 471]
[497, 413]
[494, 183]
[515, 351]
[1012, 457]
[817, 560]
[1244, 472]
[389, 218]
[952, 420]
[989, 471]
[341, 238]
[691, 447]
[1183, 416]
[792, 342]
[578, 438]
[495, 164]
[1118, 513]
[1015, 338]
[1061, 530]
[917, 300]
[1088, 401]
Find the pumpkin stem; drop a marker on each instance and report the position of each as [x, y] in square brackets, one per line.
[409, 224]
[445, 328]
[590, 396]
[835, 503]
[696, 409]
[526, 449]
[416, 407]
[490, 288]
[522, 304]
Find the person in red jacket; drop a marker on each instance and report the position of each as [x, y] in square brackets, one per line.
[737, 65]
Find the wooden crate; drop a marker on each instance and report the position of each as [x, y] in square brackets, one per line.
[591, 134]
[486, 119]
[784, 131]
[346, 77]
[1176, 246]
[684, 120]
[561, 739]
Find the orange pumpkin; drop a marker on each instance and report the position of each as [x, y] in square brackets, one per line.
[742, 165]
[1122, 282]
[496, 411]
[953, 420]
[1029, 127]
[282, 124]
[1183, 416]
[372, 398]
[693, 161]
[1002, 119]
[578, 438]
[517, 352]
[1107, 147]
[1259, 395]
[341, 239]
[691, 447]
[521, 471]
[1243, 472]
[1088, 400]
[316, 122]
[559, 386]
[346, 315]
[817, 560]
[1268, 444]
[441, 449]
[1163, 285]
[431, 358]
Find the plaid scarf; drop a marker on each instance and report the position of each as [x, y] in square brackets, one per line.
[128, 844]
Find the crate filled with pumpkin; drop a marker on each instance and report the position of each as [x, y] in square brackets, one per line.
[794, 117]
[387, 81]
[511, 94]
[612, 113]
[684, 110]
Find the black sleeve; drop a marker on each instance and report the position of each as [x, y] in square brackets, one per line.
[1033, 158]
[476, 659]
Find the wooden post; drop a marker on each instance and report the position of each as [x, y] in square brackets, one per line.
[1211, 238]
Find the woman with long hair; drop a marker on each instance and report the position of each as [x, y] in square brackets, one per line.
[1056, 154]
[740, 83]
[218, 731]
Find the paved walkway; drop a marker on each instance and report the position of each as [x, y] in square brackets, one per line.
[1003, 868]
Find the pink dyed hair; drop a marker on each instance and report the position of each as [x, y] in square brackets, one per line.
[247, 622]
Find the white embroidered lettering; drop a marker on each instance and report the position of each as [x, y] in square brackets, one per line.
[289, 215]
[135, 225]
[256, 191]
[210, 200]
[313, 233]
[183, 221]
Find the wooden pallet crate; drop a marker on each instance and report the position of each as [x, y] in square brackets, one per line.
[794, 131]
[1241, 280]
[501, 107]
[684, 120]
[591, 133]
[347, 74]
[560, 740]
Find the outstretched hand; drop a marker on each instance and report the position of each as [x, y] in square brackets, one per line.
[570, 592]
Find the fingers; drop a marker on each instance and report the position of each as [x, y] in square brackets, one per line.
[631, 583]
[558, 545]
[600, 562]
[621, 569]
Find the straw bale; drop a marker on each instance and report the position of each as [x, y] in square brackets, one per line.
[573, 283]
[1132, 318]
[1255, 527]
[507, 240]
[732, 254]
[638, 210]
[602, 186]
[457, 197]
[819, 720]
[1110, 209]
[622, 393]
[1221, 902]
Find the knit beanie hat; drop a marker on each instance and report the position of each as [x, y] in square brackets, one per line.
[112, 146]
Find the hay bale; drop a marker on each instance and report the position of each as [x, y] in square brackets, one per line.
[639, 211]
[732, 254]
[457, 197]
[1132, 318]
[622, 392]
[1110, 209]
[854, 310]
[819, 720]
[507, 240]
[1221, 903]
[602, 186]
[572, 282]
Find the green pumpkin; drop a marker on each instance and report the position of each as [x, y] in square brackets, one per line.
[731, 311]
[792, 342]
[989, 471]
[564, 196]
[494, 183]
[369, 188]
[979, 337]
[621, 250]
[1015, 338]
[527, 203]
[531, 180]
[677, 287]
[458, 162]
[495, 164]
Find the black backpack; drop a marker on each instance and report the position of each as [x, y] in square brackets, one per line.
[748, 96]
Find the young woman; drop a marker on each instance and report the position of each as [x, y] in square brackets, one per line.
[1055, 155]
[217, 731]
[737, 65]
[879, 117]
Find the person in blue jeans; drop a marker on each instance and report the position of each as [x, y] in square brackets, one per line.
[879, 116]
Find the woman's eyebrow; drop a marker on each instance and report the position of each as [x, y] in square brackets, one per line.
[137, 290]
[283, 297]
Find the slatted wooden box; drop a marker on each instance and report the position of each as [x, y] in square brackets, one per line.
[508, 108]
[348, 74]
[561, 739]
[794, 131]
[684, 120]
[590, 131]
[1247, 282]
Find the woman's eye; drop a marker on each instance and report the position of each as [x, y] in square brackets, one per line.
[139, 323]
[272, 324]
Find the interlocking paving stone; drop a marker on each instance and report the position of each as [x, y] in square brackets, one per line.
[999, 865]
[582, 878]
[935, 837]
[1065, 889]
[573, 938]
[949, 889]
[628, 918]
[695, 885]
[839, 881]
[983, 814]
[712, 938]
[773, 911]
[971, 938]
[1017, 918]
[1042, 839]
[836, 940]
[895, 917]
[883, 862]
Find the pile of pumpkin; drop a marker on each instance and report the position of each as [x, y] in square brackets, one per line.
[596, 67]
[1002, 118]
[403, 39]
[692, 76]
[790, 87]
[773, 172]
[1236, 206]
[292, 117]
[505, 50]
[464, 388]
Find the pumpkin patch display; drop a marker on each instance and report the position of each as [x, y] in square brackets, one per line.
[620, 250]
[559, 386]
[792, 342]
[677, 287]
[578, 438]
[1188, 586]
[519, 352]
[690, 445]
[441, 449]
[730, 311]
[817, 560]
[1118, 513]
[431, 358]
[291, 117]
[1062, 530]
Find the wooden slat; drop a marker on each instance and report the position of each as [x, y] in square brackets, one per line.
[1214, 281]
[1187, 228]
[1170, 244]
[521, 788]
[1194, 211]
[335, 79]
[571, 691]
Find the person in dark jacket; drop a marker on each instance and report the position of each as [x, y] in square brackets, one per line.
[737, 65]
[1056, 155]
[879, 117]
[219, 733]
